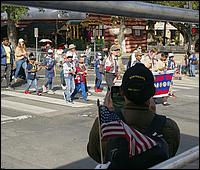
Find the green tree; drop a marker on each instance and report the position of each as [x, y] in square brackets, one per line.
[14, 14]
[183, 28]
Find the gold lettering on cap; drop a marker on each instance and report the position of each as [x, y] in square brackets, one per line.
[136, 76]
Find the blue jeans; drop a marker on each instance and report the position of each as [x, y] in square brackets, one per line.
[49, 82]
[30, 82]
[192, 69]
[21, 63]
[70, 86]
[98, 80]
[79, 86]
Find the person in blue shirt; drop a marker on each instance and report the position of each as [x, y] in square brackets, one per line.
[98, 72]
[50, 72]
[192, 64]
[32, 69]
[7, 60]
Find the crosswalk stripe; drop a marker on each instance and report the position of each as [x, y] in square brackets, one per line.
[25, 107]
[45, 99]
[181, 87]
[6, 118]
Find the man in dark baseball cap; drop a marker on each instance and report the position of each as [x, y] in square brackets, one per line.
[138, 84]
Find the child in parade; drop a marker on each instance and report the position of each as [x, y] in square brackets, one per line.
[80, 79]
[32, 69]
[69, 72]
[50, 72]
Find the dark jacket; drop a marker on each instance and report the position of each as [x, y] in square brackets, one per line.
[138, 118]
[3, 55]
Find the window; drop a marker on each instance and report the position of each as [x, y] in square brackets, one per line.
[137, 32]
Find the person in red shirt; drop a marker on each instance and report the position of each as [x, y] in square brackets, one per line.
[80, 80]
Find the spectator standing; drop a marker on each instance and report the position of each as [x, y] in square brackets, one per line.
[80, 79]
[7, 61]
[69, 73]
[50, 71]
[32, 69]
[192, 63]
[20, 58]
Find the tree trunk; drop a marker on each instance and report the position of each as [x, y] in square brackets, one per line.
[121, 33]
[12, 32]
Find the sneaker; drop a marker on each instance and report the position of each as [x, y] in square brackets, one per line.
[64, 96]
[15, 80]
[44, 89]
[89, 93]
[27, 92]
[9, 88]
[85, 100]
[63, 87]
[51, 92]
[70, 101]
[39, 93]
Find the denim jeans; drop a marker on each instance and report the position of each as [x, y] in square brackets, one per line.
[70, 86]
[98, 80]
[21, 63]
[79, 86]
[49, 83]
[30, 82]
[6, 69]
[192, 69]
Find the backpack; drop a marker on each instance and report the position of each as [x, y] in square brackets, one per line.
[117, 151]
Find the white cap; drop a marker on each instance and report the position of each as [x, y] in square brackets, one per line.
[50, 51]
[21, 40]
[171, 55]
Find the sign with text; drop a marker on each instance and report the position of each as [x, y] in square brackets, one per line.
[162, 82]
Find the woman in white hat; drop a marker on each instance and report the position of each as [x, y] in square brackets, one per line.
[20, 57]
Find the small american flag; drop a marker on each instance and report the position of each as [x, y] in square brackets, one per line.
[113, 126]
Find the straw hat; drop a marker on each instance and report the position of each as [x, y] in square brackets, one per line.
[71, 46]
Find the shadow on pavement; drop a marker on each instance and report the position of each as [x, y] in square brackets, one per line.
[86, 163]
[187, 142]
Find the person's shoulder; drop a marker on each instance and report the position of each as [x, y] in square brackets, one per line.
[171, 125]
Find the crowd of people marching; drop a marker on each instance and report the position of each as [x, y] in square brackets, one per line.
[73, 67]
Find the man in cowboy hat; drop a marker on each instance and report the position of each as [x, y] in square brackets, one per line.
[72, 52]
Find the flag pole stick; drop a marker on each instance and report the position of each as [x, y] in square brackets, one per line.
[100, 142]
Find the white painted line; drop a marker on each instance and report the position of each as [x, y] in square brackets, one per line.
[45, 99]
[8, 119]
[93, 97]
[179, 87]
[25, 107]
[187, 85]
[190, 96]
[5, 118]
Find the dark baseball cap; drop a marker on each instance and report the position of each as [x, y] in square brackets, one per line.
[138, 84]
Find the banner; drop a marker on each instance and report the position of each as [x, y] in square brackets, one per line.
[162, 82]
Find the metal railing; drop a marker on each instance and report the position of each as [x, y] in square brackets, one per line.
[180, 160]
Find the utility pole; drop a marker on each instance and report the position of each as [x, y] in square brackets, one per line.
[164, 35]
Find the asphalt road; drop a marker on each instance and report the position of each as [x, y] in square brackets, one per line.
[45, 132]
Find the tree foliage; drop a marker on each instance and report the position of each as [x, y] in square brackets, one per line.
[14, 12]
[179, 4]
